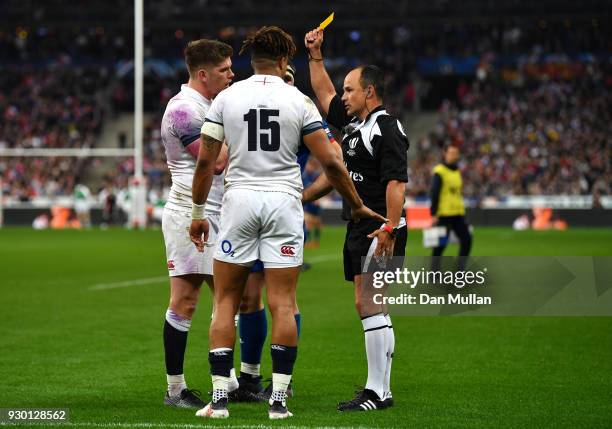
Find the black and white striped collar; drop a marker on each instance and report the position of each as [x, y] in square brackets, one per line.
[376, 109]
[356, 124]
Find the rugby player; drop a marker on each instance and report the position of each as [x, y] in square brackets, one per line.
[253, 325]
[263, 121]
[209, 66]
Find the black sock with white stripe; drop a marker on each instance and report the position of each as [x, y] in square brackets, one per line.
[176, 329]
[221, 362]
[283, 360]
[375, 330]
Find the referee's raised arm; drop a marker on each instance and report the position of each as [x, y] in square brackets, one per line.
[319, 79]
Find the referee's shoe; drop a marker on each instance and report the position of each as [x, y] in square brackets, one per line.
[366, 400]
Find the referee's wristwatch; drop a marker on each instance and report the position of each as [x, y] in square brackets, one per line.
[392, 231]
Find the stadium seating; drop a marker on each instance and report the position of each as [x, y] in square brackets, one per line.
[545, 137]
[57, 108]
[67, 71]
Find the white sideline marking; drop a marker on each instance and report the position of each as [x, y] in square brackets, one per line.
[171, 425]
[139, 282]
[128, 283]
[324, 258]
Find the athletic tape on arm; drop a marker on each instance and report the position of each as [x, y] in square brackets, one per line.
[213, 130]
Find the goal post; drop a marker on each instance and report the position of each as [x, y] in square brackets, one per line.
[137, 186]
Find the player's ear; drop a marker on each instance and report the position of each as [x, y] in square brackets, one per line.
[203, 75]
[370, 92]
[282, 63]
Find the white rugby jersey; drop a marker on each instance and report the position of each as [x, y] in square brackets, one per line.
[180, 127]
[264, 120]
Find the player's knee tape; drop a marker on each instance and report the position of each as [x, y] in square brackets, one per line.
[177, 322]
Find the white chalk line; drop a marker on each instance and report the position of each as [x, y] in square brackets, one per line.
[128, 283]
[323, 258]
[150, 280]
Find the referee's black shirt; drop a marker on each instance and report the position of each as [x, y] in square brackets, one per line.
[375, 152]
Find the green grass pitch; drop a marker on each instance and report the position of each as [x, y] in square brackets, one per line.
[65, 341]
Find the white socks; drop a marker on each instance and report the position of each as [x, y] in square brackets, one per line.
[220, 385]
[176, 384]
[375, 329]
[280, 382]
[390, 349]
[223, 385]
[233, 381]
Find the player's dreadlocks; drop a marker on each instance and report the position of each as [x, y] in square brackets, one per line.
[269, 43]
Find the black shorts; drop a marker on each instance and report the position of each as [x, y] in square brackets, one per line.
[357, 246]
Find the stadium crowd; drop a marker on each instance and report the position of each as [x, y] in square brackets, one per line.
[53, 108]
[59, 82]
[546, 137]
[154, 162]
[96, 30]
[515, 140]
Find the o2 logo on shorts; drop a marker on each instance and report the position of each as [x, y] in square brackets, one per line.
[226, 247]
[287, 251]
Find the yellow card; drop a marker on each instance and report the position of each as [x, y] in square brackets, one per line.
[327, 21]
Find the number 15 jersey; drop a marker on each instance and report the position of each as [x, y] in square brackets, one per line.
[264, 120]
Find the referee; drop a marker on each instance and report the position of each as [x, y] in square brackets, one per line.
[447, 208]
[374, 148]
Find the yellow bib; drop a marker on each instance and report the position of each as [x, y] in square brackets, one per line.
[451, 193]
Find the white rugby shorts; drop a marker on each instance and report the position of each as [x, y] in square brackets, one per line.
[182, 255]
[261, 225]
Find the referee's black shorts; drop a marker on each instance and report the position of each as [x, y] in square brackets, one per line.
[357, 247]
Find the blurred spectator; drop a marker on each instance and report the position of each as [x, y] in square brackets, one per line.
[547, 137]
[28, 178]
[51, 108]
[538, 128]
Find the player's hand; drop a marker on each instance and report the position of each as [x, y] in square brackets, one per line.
[198, 232]
[313, 40]
[385, 245]
[365, 212]
[434, 220]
